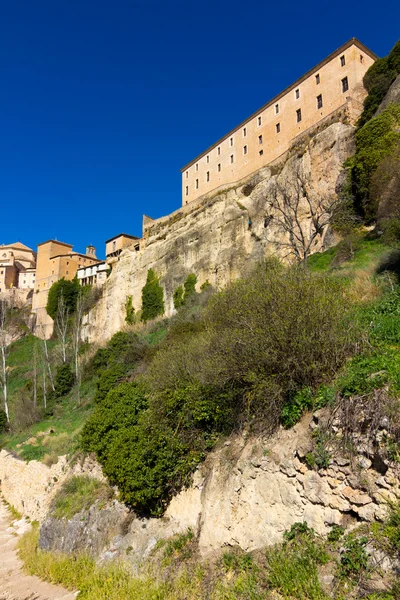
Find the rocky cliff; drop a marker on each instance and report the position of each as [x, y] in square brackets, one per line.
[222, 236]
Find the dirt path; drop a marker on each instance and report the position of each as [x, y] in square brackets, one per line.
[14, 584]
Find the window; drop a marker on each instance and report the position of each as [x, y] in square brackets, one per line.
[208, 158]
[345, 84]
[319, 101]
[342, 61]
[244, 131]
[261, 152]
[231, 141]
[361, 59]
[208, 175]
[219, 166]
[197, 166]
[231, 158]
[297, 94]
[317, 79]
[187, 191]
[244, 149]
[298, 113]
[278, 127]
[259, 121]
[114, 245]
[218, 150]
[197, 184]
[187, 174]
[276, 109]
[260, 141]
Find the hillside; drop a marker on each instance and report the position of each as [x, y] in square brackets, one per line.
[249, 439]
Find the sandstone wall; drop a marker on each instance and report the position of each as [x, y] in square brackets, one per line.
[213, 239]
[30, 486]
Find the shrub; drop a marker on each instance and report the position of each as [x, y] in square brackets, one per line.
[152, 297]
[377, 139]
[296, 407]
[178, 297]
[3, 421]
[70, 291]
[354, 559]
[190, 286]
[64, 380]
[129, 311]
[118, 410]
[109, 379]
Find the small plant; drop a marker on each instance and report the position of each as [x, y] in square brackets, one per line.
[294, 409]
[319, 457]
[179, 546]
[190, 286]
[233, 561]
[335, 533]
[298, 529]
[205, 286]
[354, 559]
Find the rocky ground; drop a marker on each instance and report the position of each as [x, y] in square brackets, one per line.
[14, 584]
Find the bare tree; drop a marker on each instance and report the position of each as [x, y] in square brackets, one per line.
[47, 358]
[61, 323]
[4, 343]
[298, 215]
[81, 304]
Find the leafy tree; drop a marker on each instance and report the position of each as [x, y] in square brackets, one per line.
[152, 297]
[64, 380]
[69, 290]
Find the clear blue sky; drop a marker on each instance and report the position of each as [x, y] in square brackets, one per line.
[102, 102]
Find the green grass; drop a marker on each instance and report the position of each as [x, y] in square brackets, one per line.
[367, 252]
[78, 494]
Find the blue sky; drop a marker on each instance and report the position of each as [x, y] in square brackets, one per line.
[102, 103]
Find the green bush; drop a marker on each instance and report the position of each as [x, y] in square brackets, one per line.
[152, 297]
[118, 410]
[109, 379]
[296, 407]
[377, 139]
[178, 297]
[70, 291]
[190, 286]
[129, 311]
[377, 81]
[77, 494]
[64, 380]
[354, 559]
[3, 421]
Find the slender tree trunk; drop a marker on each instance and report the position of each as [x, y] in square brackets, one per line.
[47, 358]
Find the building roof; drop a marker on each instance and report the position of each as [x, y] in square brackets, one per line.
[132, 237]
[71, 254]
[55, 242]
[351, 42]
[17, 245]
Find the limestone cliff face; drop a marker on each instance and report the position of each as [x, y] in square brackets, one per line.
[222, 236]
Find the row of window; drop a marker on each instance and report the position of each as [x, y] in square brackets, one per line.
[345, 87]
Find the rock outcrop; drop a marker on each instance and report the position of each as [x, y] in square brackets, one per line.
[222, 236]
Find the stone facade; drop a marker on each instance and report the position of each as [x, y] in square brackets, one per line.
[270, 131]
[55, 260]
[17, 267]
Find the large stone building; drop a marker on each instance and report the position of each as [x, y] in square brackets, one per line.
[17, 267]
[55, 260]
[268, 133]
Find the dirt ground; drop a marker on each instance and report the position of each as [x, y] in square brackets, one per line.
[14, 583]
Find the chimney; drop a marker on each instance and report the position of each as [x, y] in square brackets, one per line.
[91, 251]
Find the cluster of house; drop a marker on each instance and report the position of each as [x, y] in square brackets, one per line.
[24, 272]
[334, 83]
